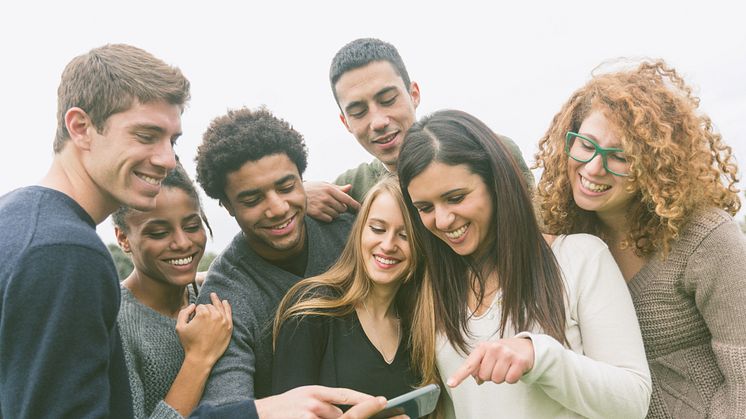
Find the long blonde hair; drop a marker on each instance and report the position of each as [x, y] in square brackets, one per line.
[678, 164]
[336, 292]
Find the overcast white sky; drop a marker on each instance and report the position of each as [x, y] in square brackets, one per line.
[512, 65]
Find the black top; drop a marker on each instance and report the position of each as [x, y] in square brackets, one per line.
[336, 352]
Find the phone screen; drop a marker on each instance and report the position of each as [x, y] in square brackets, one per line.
[415, 404]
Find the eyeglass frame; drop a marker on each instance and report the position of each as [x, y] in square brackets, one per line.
[598, 150]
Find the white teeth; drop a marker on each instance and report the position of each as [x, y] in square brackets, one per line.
[593, 186]
[386, 140]
[283, 225]
[150, 180]
[180, 262]
[456, 234]
[386, 261]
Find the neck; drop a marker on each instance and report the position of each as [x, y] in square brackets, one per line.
[614, 225]
[380, 301]
[167, 299]
[67, 175]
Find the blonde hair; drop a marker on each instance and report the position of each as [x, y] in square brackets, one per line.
[336, 292]
[678, 164]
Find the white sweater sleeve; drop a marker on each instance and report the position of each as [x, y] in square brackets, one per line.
[610, 379]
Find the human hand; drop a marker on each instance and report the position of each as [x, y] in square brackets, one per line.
[327, 201]
[205, 337]
[319, 402]
[503, 360]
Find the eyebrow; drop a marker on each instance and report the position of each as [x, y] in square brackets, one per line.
[443, 195]
[161, 222]
[152, 128]
[377, 95]
[257, 191]
[594, 138]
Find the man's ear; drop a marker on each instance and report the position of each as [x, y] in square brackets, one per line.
[414, 92]
[122, 240]
[78, 125]
[344, 122]
[228, 207]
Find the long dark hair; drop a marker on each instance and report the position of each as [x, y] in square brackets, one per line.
[528, 274]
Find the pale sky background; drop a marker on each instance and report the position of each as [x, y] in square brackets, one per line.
[512, 64]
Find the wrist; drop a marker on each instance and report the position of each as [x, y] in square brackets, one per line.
[199, 364]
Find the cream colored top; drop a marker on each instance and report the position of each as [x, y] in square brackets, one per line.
[603, 374]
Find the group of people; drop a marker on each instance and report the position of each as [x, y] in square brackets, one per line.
[614, 286]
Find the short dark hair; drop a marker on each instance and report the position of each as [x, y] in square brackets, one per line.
[176, 178]
[108, 79]
[240, 136]
[362, 52]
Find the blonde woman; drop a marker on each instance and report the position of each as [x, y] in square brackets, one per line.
[349, 327]
[631, 158]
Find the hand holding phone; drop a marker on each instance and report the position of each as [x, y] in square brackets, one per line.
[415, 404]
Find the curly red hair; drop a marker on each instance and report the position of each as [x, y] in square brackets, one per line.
[678, 164]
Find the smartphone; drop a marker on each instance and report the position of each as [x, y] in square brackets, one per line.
[415, 404]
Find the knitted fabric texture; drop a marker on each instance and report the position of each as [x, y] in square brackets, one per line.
[153, 353]
[692, 313]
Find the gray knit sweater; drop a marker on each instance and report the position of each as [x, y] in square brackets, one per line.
[692, 313]
[153, 353]
[254, 287]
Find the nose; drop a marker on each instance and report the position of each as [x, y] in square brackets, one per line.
[180, 240]
[276, 206]
[163, 155]
[443, 218]
[596, 166]
[379, 120]
[388, 244]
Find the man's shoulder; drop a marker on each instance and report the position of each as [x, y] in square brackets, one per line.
[34, 218]
[339, 227]
[367, 169]
[362, 178]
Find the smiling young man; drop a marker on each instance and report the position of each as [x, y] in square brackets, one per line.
[253, 163]
[119, 114]
[378, 103]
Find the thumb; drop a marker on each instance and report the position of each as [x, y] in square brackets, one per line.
[346, 188]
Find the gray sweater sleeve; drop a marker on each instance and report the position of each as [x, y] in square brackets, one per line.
[716, 273]
[232, 377]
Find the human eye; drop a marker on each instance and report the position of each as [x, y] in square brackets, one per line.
[424, 208]
[287, 188]
[389, 100]
[157, 234]
[586, 144]
[193, 228]
[455, 199]
[377, 229]
[145, 137]
[357, 111]
[403, 235]
[249, 203]
[620, 157]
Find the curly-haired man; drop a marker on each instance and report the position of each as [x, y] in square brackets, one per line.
[253, 163]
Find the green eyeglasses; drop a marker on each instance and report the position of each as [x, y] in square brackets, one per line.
[583, 149]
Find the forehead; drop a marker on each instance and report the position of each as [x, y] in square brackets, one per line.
[599, 128]
[171, 204]
[157, 114]
[385, 208]
[364, 82]
[260, 174]
[439, 178]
